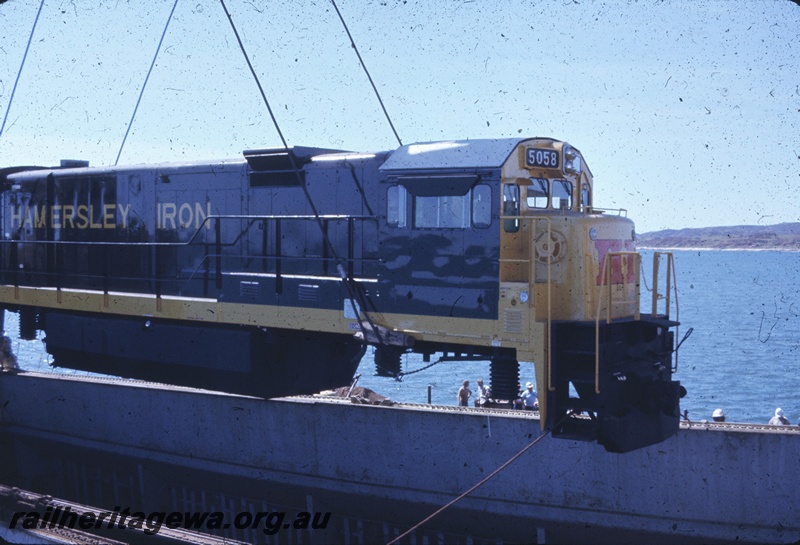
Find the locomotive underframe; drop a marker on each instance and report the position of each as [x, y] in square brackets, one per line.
[249, 360]
[624, 397]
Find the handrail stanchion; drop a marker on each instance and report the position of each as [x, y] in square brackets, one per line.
[610, 272]
[218, 252]
[156, 273]
[264, 245]
[677, 307]
[669, 290]
[656, 262]
[350, 248]
[604, 277]
[278, 258]
[549, 284]
[549, 287]
[637, 265]
[325, 252]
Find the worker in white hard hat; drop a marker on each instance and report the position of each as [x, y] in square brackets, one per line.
[530, 400]
[718, 415]
[778, 419]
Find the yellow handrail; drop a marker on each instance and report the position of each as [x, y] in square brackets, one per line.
[671, 285]
[670, 273]
[532, 283]
[606, 267]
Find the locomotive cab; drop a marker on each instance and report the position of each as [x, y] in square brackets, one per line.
[603, 368]
[493, 250]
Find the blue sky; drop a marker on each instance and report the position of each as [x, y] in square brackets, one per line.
[687, 112]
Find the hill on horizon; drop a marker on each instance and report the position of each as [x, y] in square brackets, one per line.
[781, 236]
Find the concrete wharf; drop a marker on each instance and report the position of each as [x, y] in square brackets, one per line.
[381, 469]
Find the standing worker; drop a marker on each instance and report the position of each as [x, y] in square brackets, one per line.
[778, 419]
[483, 394]
[529, 399]
[464, 394]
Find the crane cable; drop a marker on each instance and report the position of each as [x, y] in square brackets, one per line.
[475, 487]
[364, 66]
[19, 73]
[144, 85]
[349, 283]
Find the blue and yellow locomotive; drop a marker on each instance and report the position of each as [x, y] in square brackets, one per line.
[268, 275]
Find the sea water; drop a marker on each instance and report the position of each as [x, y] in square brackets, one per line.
[744, 352]
[742, 355]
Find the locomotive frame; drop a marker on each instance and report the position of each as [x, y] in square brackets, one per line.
[268, 275]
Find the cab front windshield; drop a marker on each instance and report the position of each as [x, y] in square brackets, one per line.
[553, 194]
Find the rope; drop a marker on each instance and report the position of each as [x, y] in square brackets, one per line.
[364, 66]
[146, 79]
[19, 73]
[468, 492]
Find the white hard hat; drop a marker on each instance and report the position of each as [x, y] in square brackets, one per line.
[778, 412]
[718, 413]
[529, 385]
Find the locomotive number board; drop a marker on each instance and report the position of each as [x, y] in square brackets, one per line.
[536, 157]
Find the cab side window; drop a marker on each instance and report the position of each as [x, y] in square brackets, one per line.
[396, 206]
[446, 211]
[458, 206]
[511, 207]
[481, 206]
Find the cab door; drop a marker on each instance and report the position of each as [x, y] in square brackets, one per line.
[515, 245]
[516, 297]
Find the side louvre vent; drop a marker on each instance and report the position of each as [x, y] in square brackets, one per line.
[249, 289]
[512, 321]
[308, 293]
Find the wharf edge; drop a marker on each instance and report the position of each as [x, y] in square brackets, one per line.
[380, 470]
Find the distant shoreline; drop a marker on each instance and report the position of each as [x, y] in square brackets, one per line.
[708, 249]
[782, 237]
